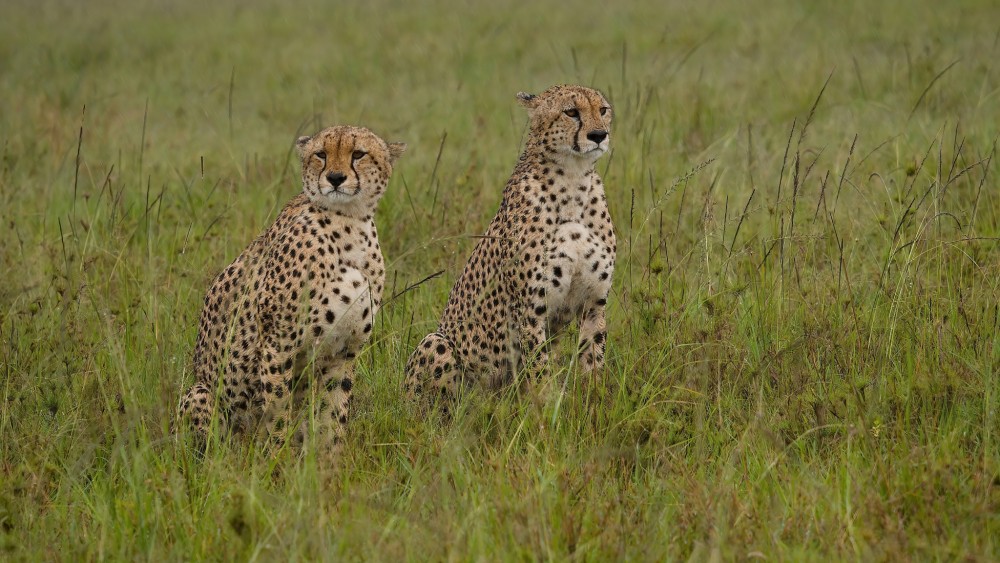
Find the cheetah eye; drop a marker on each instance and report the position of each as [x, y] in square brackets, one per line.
[357, 155]
[604, 110]
[321, 155]
[574, 113]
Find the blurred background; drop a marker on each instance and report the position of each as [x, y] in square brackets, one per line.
[803, 327]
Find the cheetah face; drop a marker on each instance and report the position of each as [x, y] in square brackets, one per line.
[570, 121]
[346, 167]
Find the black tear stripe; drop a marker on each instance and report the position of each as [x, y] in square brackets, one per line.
[351, 157]
[579, 126]
[355, 170]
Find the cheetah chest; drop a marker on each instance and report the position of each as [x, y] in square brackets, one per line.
[345, 310]
[348, 294]
[579, 272]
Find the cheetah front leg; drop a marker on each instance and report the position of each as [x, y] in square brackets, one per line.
[197, 408]
[333, 382]
[548, 283]
[277, 365]
[593, 336]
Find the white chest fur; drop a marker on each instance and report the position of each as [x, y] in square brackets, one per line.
[579, 260]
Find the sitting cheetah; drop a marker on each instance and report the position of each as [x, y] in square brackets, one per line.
[298, 304]
[547, 257]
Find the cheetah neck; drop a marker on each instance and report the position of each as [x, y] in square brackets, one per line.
[356, 217]
[357, 208]
[355, 236]
[564, 188]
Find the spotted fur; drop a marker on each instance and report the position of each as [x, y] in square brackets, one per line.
[547, 257]
[284, 321]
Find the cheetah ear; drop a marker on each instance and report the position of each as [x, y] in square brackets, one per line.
[527, 100]
[300, 145]
[396, 150]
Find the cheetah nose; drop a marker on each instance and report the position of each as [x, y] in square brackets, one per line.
[597, 135]
[336, 178]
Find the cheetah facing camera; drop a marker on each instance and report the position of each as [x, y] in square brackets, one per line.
[546, 258]
[283, 323]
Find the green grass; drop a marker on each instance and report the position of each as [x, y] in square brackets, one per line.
[804, 350]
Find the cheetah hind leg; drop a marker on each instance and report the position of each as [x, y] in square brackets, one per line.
[432, 370]
[196, 408]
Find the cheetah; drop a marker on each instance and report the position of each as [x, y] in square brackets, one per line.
[547, 258]
[284, 322]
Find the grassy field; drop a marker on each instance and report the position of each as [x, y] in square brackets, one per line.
[804, 350]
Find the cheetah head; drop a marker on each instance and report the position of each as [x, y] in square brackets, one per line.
[570, 122]
[346, 168]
